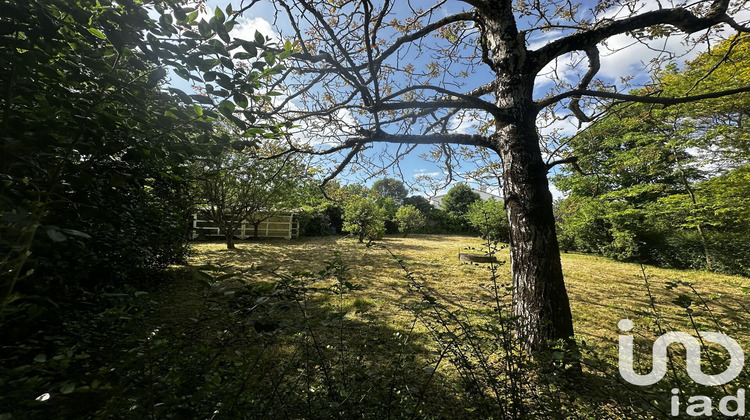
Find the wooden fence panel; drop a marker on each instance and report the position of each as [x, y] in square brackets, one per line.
[284, 225]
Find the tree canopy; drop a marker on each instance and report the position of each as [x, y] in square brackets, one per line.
[458, 199]
[647, 179]
[390, 188]
[243, 185]
[95, 143]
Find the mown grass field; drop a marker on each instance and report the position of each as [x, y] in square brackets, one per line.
[369, 353]
[602, 291]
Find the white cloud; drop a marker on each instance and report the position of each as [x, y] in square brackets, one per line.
[422, 172]
[462, 123]
[246, 28]
[622, 55]
[555, 192]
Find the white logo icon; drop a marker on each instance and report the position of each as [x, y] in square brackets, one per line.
[698, 405]
[693, 357]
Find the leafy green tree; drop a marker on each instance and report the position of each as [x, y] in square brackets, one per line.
[364, 218]
[421, 203]
[409, 219]
[490, 219]
[721, 207]
[84, 113]
[648, 171]
[390, 188]
[245, 186]
[458, 199]
[94, 167]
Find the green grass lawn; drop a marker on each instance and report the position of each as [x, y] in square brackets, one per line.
[602, 291]
[372, 352]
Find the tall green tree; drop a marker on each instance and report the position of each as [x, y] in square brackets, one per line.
[421, 203]
[643, 161]
[390, 188]
[458, 199]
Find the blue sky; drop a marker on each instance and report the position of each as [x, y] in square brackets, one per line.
[632, 61]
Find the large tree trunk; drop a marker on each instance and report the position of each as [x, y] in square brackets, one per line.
[540, 300]
[539, 296]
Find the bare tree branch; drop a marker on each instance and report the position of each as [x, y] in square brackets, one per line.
[572, 159]
[466, 103]
[648, 99]
[680, 18]
[424, 31]
[594, 65]
[352, 153]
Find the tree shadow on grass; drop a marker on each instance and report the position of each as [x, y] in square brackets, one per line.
[211, 355]
[319, 366]
[226, 353]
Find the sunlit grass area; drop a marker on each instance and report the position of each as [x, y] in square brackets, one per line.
[602, 291]
[285, 342]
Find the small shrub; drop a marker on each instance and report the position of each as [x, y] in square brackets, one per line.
[364, 218]
[490, 219]
[409, 219]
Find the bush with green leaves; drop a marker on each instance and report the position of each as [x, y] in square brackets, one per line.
[439, 221]
[458, 199]
[94, 142]
[323, 219]
[490, 219]
[409, 219]
[94, 174]
[363, 218]
[611, 228]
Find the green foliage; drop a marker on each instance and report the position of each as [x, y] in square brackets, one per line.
[458, 199]
[95, 163]
[421, 203]
[323, 219]
[245, 185]
[490, 219]
[599, 226]
[668, 184]
[440, 221]
[409, 219]
[92, 142]
[390, 188]
[364, 218]
[721, 209]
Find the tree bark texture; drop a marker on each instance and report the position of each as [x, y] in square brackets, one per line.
[540, 300]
